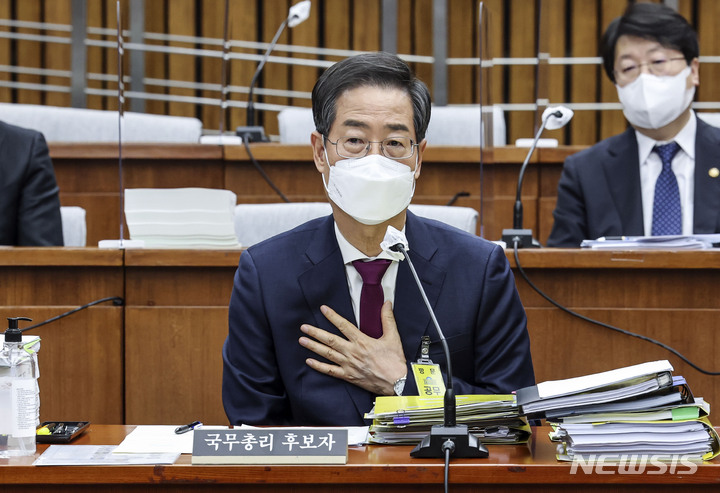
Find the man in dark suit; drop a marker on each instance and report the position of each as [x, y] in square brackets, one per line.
[661, 175]
[29, 201]
[295, 352]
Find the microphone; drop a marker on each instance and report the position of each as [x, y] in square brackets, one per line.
[255, 133]
[553, 118]
[449, 436]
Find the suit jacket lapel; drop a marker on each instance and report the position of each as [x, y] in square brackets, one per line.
[707, 188]
[325, 283]
[622, 172]
[410, 311]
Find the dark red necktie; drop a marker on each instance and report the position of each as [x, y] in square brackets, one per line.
[371, 296]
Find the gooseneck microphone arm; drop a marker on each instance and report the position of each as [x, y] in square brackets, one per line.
[449, 402]
[449, 438]
[250, 108]
[518, 209]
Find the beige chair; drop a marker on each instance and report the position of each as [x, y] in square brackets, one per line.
[710, 118]
[59, 124]
[257, 222]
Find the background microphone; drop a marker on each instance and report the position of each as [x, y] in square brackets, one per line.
[553, 118]
[448, 438]
[255, 133]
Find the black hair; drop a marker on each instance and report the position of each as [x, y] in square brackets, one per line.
[379, 69]
[653, 21]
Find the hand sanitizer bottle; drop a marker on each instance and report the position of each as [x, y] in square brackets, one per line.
[19, 391]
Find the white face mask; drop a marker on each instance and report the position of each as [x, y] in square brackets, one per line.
[371, 189]
[652, 102]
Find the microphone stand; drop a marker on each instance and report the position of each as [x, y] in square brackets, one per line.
[252, 132]
[450, 437]
[519, 235]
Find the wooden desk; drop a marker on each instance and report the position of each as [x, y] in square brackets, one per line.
[176, 321]
[158, 358]
[81, 356]
[88, 176]
[531, 468]
[668, 296]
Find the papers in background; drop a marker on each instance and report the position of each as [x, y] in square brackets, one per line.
[181, 217]
[557, 388]
[672, 412]
[163, 439]
[694, 438]
[97, 455]
[672, 242]
[637, 411]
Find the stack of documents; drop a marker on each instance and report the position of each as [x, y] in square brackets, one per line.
[406, 420]
[181, 217]
[671, 242]
[641, 410]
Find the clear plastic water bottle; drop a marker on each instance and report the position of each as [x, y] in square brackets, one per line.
[19, 391]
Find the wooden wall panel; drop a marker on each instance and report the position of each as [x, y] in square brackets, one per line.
[162, 315]
[462, 43]
[78, 359]
[79, 354]
[709, 45]
[301, 77]
[155, 63]
[522, 44]
[366, 24]
[211, 68]
[95, 55]
[57, 56]
[552, 40]
[110, 56]
[336, 28]
[495, 45]
[243, 25]
[29, 53]
[584, 78]
[422, 33]
[274, 75]
[181, 67]
[612, 122]
[569, 28]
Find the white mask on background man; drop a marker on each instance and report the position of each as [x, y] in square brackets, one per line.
[652, 101]
[371, 189]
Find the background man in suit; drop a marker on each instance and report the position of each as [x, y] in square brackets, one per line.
[29, 201]
[294, 353]
[660, 176]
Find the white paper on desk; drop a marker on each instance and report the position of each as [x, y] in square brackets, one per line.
[557, 388]
[95, 455]
[668, 242]
[147, 439]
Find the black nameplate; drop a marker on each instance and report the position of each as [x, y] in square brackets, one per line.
[270, 446]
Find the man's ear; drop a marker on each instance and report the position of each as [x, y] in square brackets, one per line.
[420, 151]
[318, 146]
[695, 72]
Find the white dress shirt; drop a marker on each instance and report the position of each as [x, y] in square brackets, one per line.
[349, 254]
[683, 166]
